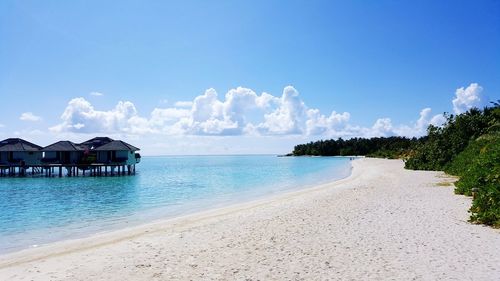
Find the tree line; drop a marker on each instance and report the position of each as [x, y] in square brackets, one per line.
[466, 145]
[387, 147]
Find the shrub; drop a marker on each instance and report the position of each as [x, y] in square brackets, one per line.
[483, 174]
[463, 161]
[468, 145]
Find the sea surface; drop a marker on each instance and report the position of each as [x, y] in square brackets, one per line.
[36, 211]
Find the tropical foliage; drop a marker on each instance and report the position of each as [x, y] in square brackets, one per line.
[444, 143]
[391, 147]
[468, 146]
[482, 177]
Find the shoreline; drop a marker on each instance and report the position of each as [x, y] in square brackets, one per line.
[144, 217]
[380, 222]
[109, 236]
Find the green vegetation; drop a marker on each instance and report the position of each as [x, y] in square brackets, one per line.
[468, 146]
[443, 144]
[483, 177]
[464, 160]
[392, 147]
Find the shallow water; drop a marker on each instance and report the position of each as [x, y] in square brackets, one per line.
[35, 211]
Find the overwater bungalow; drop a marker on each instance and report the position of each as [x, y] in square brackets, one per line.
[63, 152]
[18, 152]
[101, 156]
[117, 152]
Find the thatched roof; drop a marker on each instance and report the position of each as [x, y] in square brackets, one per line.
[64, 146]
[96, 142]
[16, 144]
[117, 145]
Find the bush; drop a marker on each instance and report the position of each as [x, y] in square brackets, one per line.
[464, 160]
[483, 173]
[468, 146]
[443, 144]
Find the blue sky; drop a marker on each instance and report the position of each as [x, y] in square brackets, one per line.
[377, 64]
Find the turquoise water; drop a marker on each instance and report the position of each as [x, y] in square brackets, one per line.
[35, 211]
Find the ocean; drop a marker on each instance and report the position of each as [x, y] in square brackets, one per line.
[36, 211]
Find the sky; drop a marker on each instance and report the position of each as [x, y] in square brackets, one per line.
[241, 77]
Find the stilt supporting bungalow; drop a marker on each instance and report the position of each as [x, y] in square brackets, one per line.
[96, 157]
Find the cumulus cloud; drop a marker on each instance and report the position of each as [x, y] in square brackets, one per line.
[289, 117]
[467, 98]
[384, 127]
[426, 119]
[29, 116]
[318, 124]
[241, 111]
[80, 116]
[292, 116]
[96, 94]
[419, 128]
[211, 116]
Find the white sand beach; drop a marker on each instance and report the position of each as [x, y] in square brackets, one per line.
[381, 223]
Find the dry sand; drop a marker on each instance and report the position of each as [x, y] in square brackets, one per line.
[381, 223]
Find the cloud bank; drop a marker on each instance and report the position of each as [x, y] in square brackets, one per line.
[240, 111]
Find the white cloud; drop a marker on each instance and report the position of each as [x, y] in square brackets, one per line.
[164, 119]
[80, 116]
[468, 98]
[78, 126]
[29, 116]
[183, 104]
[211, 116]
[263, 123]
[288, 118]
[382, 127]
[419, 128]
[292, 116]
[242, 112]
[426, 119]
[96, 94]
[318, 123]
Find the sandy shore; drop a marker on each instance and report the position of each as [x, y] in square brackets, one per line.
[381, 223]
